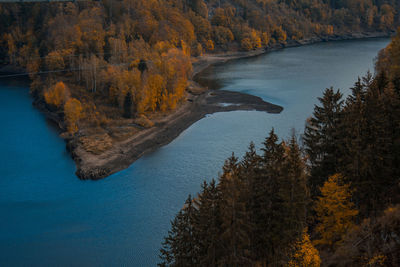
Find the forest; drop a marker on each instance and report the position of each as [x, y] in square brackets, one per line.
[330, 197]
[100, 65]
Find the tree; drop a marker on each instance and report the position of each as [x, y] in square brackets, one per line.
[321, 138]
[128, 105]
[142, 66]
[234, 237]
[246, 44]
[305, 254]
[57, 95]
[373, 243]
[210, 45]
[266, 207]
[335, 211]
[73, 112]
[208, 225]
[293, 196]
[179, 247]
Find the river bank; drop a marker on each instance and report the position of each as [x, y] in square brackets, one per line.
[199, 102]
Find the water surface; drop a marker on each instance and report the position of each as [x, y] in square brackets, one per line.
[48, 217]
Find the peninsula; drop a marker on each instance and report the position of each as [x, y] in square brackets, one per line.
[118, 77]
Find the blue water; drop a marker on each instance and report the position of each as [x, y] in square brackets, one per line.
[51, 218]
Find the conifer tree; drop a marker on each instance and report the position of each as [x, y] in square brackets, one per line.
[321, 138]
[128, 105]
[335, 211]
[267, 207]
[354, 125]
[293, 193]
[180, 246]
[234, 237]
[207, 227]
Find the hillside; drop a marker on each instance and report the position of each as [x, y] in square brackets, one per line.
[107, 70]
[332, 202]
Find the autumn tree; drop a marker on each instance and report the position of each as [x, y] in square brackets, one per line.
[305, 254]
[335, 211]
[57, 95]
[73, 113]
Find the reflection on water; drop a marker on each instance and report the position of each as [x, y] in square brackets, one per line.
[49, 217]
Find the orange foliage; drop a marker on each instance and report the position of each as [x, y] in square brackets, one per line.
[57, 95]
[73, 112]
[210, 45]
[305, 254]
[335, 211]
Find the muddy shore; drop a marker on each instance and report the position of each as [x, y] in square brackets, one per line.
[199, 102]
[122, 154]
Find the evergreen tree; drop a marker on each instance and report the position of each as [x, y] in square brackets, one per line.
[293, 193]
[321, 138]
[128, 105]
[354, 125]
[377, 163]
[180, 246]
[208, 225]
[235, 239]
[268, 207]
[250, 171]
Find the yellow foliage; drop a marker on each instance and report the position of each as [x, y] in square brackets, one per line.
[162, 46]
[329, 30]
[57, 95]
[185, 48]
[255, 39]
[155, 86]
[210, 45]
[279, 34]
[305, 254]
[378, 260]
[73, 112]
[334, 210]
[164, 102]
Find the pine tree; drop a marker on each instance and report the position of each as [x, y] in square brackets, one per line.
[180, 246]
[207, 227]
[294, 195]
[267, 201]
[354, 125]
[235, 239]
[249, 169]
[321, 138]
[128, 105]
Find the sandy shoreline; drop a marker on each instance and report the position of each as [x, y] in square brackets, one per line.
[199, 102]
[123, 154]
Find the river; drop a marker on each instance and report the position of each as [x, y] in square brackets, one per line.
[51, 218]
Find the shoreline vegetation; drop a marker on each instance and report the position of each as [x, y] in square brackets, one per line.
[200, 101]
[118, 76]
